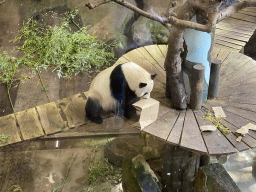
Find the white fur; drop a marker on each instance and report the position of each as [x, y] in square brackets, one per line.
[134, 74]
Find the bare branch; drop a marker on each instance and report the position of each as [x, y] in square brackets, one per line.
[234, 8]
[152, 16]
[212, 12]
[189, 24]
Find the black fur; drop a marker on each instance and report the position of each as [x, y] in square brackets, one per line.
[93, 110]
[122, 93]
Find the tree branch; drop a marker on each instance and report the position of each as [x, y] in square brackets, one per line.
[212, 10]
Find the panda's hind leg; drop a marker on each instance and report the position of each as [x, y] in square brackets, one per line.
[93, 110]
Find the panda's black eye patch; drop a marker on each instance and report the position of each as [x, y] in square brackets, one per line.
[142, 85]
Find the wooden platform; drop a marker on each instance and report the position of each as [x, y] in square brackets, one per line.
[233, 33]
[61, 118]
[236, 96]
[181, 128]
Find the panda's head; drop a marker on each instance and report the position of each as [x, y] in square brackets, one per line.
[138, 79]
[144, 88]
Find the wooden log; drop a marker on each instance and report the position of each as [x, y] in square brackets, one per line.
[197, 85]
[214, 79]
[179, 168]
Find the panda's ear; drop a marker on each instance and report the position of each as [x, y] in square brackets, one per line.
[142, 85]
[153, 76]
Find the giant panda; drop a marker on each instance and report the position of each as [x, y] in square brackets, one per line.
[116, 89]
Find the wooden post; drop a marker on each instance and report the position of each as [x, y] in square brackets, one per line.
[197, 85]
[214, 79]
[179, 169]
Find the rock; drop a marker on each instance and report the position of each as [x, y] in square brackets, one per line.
[138, 176]
[117, 188]
[130, 146]
[145, 31]
[123, 147]
[213, 177]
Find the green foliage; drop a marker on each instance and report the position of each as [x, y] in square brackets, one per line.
[15, 188]
[8, 67]
[216, 121]
[102, 172]
[4, 138]
[68, 52]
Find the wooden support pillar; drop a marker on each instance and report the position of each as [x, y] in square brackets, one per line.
[179, 169]
[214, 79]
[197, 84]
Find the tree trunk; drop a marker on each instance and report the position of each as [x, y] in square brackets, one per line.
[175, 89]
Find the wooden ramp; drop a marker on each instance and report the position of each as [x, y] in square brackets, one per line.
[233, 33]
[58, 117]
[236, 96]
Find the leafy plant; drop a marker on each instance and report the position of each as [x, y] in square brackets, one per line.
[102, 172]
[9, 66]
[4, 138]
[68, 52]
[216, 121]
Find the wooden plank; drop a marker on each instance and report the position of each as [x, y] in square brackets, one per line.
[223, 54]
[233, 61]
[248, 12]
[243, 29]
[215, 141]
[233, 33]
[8, 127]
[148, 56]
[227, 44]
[229, 40]
[238, 74]
[247, 107]
[163, 125]
[50, 117]
[175, 135]
[163, 49]
[250, 141]
[74, 109]
[215, 52]
[240, 90]
[121, 60]
[156, 53]
[247, 139]
[234, 119]
[29, 124]
[138, 58]
[225, 47]
[244, 17]
[240, 31]
[242, 113]
[235, 99]
[237, 24]
[191, 137]
[235, 39]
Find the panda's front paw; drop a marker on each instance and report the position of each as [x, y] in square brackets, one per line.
[97, 120]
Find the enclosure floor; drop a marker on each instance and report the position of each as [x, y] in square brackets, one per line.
[181, 128]
[233, 32]
[236, 97]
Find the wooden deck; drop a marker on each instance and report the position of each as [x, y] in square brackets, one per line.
[181, 128]
[236, 96]
[234, 32]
